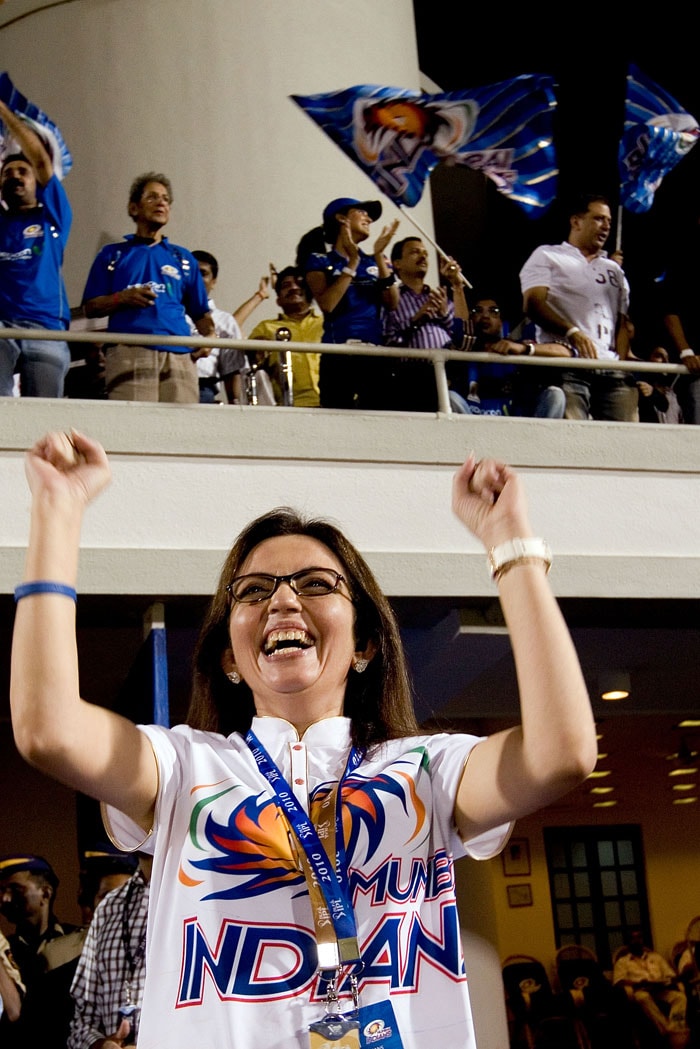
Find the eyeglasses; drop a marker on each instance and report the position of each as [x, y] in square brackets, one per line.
[156, 198]
[309, 582]
[486, 309]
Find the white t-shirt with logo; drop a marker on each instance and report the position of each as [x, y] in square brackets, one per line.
[231, 956]
[591, 294]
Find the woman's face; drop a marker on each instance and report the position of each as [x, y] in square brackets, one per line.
[294, 652]
[359, 224]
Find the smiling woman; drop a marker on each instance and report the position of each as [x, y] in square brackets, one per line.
[303, 828]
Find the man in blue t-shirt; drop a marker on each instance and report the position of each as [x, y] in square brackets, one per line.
[147, 286]
[34, 226]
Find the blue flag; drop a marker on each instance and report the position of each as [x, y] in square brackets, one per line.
[38, 121]
[398, 137]
[658, 134]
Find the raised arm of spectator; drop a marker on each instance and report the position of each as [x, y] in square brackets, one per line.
[329, 294]
[390, 295]
[29, 142]
[519, 770]
[537, 306]
[81, 744]
[245, 309]
[674, 327]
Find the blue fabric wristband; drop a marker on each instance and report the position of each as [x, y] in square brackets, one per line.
[43, 586]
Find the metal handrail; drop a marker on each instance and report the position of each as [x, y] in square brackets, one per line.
[437, 357]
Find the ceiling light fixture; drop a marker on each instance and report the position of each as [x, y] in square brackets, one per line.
[614, 684]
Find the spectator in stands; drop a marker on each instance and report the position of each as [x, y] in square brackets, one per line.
[146, 286]
[102, 869]
[658, 402]
[297, 322]
[652, 984]
[425, 318]
[108, 984]
[224, 364]
[495, 389]
[34, 226]
[351, 287]
[679, 291]
[45, 950]
[576, 294]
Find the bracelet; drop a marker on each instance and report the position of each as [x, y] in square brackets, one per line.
[503, 557]
[530, 346]
[44, 586]
[348, 272]
[386, 282]
[687, 352]
[573, 330]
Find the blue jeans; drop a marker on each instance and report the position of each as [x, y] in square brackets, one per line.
[42, 364]
[600, 396]
[689, 396]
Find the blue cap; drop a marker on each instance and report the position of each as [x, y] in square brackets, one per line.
[20, 862]
[372, 207]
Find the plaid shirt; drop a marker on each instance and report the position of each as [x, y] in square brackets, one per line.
[99, 985]
[431, 333]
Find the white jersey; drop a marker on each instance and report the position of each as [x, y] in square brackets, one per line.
[231, 949]
[593, 294]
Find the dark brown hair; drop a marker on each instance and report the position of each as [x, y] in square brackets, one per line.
[378, 702]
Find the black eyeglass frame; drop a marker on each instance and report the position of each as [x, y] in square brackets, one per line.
[290, 579]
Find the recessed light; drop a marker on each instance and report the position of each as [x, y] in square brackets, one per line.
[609, 804]
[684, 786]
[683, 772]
[684, 801]
[601, 790]
[689, 723]
[599, 773]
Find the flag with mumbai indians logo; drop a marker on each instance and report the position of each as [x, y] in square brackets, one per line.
[398, 136]
[38, 121]
[658, 134]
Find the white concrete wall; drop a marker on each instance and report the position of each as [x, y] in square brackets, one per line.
[200, 89]
[617, 502]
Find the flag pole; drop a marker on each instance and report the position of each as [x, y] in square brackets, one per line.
[430, 240]
[618, 231]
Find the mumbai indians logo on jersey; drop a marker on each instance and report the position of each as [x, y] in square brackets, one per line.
[33, 231]
[250, 854]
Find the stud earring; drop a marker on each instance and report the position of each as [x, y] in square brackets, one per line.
[234, 677]
[360, 665]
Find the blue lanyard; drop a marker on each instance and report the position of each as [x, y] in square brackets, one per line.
[332, 879]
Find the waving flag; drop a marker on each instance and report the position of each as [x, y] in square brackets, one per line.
[398, 136]
[658, 133]
[47, 131]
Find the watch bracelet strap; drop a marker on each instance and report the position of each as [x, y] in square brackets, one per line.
[515, 551]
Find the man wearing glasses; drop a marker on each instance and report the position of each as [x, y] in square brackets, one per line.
[501, 389]
[147, 286]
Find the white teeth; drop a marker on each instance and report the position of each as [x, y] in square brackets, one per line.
[278, 639]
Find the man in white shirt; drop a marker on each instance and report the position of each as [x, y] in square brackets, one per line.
[574, 291]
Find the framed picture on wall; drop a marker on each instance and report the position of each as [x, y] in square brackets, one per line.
[516, 858]
[519, 895]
